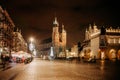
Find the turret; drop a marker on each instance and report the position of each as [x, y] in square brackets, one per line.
[63, 30]
[55, 33]
[63, 36]
[95, 28]
[86, 34]
[90, 28]
[55, 22]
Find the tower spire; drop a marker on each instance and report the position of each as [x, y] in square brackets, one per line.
[55, 22]
[62, 26]
[63, 30]
[90, 28]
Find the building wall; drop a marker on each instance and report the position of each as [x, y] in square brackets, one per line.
[59, 38]
[44, 47]
[19, 42]
[104, 43]
[74, 51]
[6, 31]
[95, 46]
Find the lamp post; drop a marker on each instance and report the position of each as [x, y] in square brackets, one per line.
[31, 39]
[31, 45]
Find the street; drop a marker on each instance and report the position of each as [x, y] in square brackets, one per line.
[62, 70]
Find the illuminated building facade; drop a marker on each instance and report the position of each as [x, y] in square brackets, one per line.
[56, 43]
[10, 40]
[74, 51]
[19, 42]
[6, 32]
[59, 39]
[102, 43]
[44, 48]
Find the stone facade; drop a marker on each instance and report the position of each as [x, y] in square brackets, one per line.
[10, 40]
[44, 47]
[59, 39]
[19, 42]
[6, 32]
[102, 43]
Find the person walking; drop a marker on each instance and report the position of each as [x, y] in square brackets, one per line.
[3, 60]
[7, 60]
[23, 59]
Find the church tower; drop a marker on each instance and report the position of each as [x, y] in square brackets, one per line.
[55, 37]
[59, 39]
[63, 36]
[55, 33]
[63, 39]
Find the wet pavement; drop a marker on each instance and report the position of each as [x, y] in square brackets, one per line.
[63, 70]
[7, 66]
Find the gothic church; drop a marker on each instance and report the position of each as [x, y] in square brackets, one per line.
[59, 39]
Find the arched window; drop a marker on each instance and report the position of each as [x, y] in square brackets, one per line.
[112, 54]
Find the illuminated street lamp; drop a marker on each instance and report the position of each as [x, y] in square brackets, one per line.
[31, 45]
[31, 39]
[51, 55]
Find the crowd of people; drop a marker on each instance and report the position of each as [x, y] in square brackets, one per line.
[22, 59]
[6, 59]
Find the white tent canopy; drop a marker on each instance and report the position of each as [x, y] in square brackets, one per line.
[20, 54]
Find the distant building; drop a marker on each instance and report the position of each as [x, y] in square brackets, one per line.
[101, 43]
[74, 51]
[6, 32]
[44, 47]
[19, 43]
[10, 40]
[57, 42]
[59, 39]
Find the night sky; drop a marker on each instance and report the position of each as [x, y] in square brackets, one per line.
[35, 17]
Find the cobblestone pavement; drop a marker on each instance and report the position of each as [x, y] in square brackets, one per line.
[59, 70]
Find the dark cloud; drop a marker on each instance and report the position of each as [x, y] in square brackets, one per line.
[35, 17]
